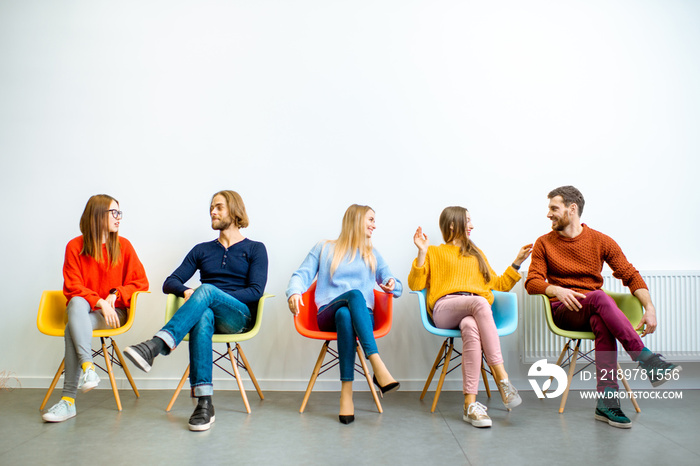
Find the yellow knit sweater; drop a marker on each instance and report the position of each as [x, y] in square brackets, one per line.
[445, 271]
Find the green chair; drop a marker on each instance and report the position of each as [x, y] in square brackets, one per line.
[237, 360]
[571, 353]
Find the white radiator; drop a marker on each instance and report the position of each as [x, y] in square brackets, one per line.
[676, 296]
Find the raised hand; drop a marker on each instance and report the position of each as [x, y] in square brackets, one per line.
[523, 254]
[420, 239]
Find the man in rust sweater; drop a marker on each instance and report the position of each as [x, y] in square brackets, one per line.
[566, 265]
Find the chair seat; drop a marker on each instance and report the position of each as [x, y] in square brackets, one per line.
[505, 315]
[571, 354]
[235, 356]
[307, 325]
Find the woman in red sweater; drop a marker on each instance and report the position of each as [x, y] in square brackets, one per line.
[100, 273]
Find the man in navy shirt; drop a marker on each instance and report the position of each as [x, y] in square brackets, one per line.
[233, 272]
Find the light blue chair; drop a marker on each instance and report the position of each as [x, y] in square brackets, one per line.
[505, 314]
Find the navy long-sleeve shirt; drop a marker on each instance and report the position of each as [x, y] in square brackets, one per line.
[240, 270]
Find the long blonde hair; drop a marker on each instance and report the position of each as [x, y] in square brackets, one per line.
[95, 227]
[453, 225]
[353, 238]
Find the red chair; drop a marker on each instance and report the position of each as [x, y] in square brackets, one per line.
[307, 325]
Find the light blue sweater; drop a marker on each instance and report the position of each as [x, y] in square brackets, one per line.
[355, 275]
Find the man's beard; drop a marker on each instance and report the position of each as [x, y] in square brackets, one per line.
[221, 224]
[562, 223]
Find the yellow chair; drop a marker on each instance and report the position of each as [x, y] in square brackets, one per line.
[237, 360]
[51, 320]
[570, 354]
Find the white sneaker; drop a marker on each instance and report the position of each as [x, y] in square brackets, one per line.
[88, 380]
[59, 412]
[475, 414]
[511, 399]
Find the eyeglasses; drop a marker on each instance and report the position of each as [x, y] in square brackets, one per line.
[117, 214]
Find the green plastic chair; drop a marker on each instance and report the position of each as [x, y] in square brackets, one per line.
[237, 360]
[571, 353]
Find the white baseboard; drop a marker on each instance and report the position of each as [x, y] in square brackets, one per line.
[229, 383]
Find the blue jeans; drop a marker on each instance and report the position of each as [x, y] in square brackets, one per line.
[349, 316]
[209, 310]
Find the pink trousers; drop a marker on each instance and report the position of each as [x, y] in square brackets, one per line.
[473, 316]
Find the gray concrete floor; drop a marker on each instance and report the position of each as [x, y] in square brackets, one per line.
[665, 432]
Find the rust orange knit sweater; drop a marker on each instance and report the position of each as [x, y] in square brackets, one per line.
[576, 263]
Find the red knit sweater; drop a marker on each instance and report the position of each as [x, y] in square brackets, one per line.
[84, 276]
[576, 263]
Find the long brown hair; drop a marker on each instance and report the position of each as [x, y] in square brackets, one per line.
[453, 225]
[236, 207]
[95, 227]
[352, 237]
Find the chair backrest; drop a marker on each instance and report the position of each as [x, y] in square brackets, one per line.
[173, 303]
[628, 304]
[307, 325]
[51, 317]
[306, 319]
[505, 312]
[504, 308]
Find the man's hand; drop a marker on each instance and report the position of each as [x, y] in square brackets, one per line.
[187, 293]
[389, 287]
[567, 297]
[294, 303]
[648, 322]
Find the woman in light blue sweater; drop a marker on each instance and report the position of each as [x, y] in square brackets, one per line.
[347, 270]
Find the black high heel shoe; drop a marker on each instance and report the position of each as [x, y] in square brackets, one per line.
[388, 388]
[346, 418]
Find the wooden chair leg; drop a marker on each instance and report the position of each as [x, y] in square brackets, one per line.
[53, 384]
[110, 372]
[448, 355]
[314, 375]
[572, 369]
[629, 391]
[361, 355]
[249, 370]
[177, 390]
[440, 354]
[486, 380]
[126, 369]
[561, 358]
[238, 377]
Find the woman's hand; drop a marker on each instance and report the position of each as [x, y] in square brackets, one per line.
[420, 239]
[389, 287]
[523, 254]
[111, 299]
[108, 312]
[294, 303]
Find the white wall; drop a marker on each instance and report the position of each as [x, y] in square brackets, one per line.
[305, 107]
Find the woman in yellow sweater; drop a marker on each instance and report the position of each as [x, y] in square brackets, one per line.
[459, 281]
